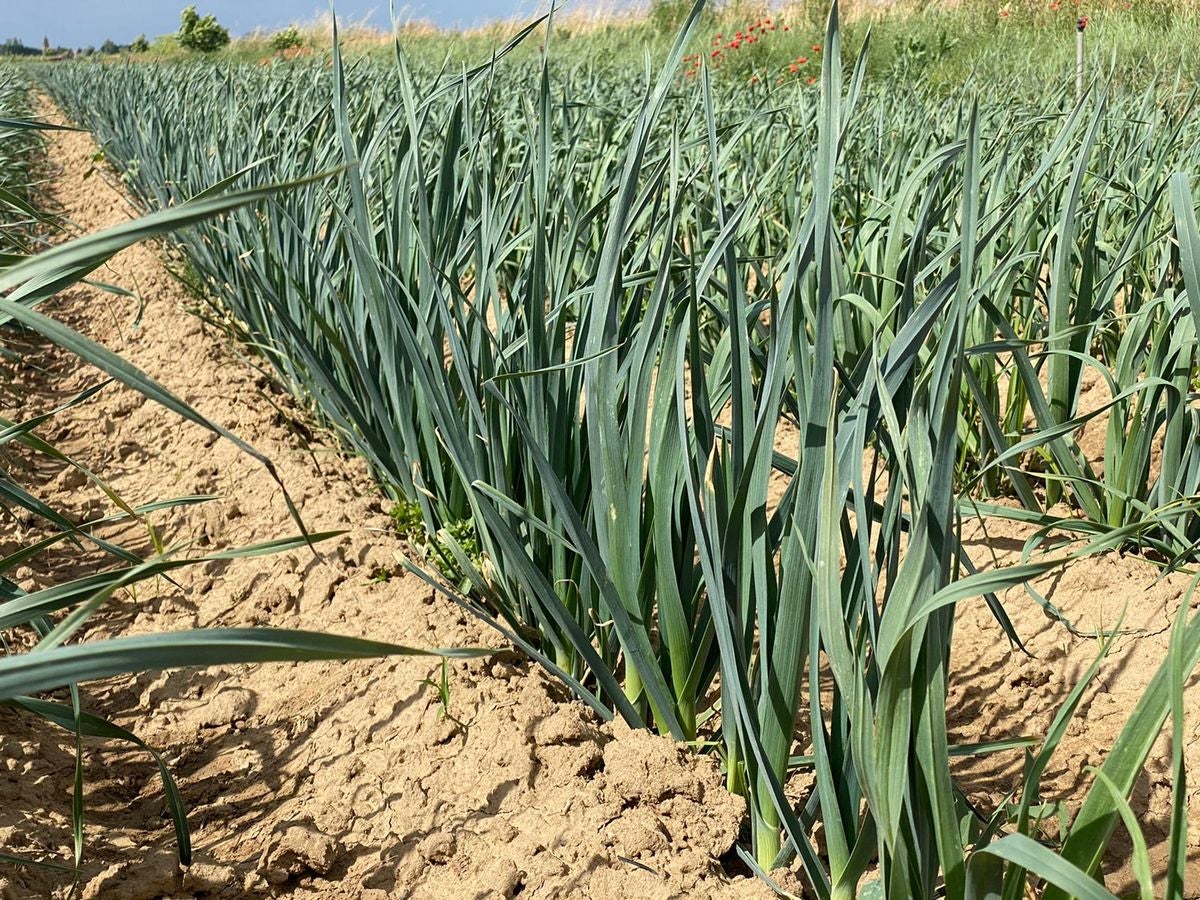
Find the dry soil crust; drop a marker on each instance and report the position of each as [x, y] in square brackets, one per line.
[316, 779]
[345, 780]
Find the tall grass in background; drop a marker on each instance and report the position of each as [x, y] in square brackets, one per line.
[692, 382]
[941, 44]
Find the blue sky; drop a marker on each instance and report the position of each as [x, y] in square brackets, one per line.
[78, 23]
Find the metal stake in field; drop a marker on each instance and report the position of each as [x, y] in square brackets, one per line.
[1080, 25]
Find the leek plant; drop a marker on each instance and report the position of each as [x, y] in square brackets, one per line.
[19, 213]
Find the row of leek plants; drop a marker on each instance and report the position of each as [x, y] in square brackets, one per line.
[1090, 233]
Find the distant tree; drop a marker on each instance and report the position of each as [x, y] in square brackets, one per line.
[201, 33]
[287, 39]
[14, 47]
[89, 50]
[45, 45]
[140, 45]
[109, 47]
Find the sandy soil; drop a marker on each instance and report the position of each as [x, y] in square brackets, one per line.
[998, 692]
[346, 780]
[314, 780]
